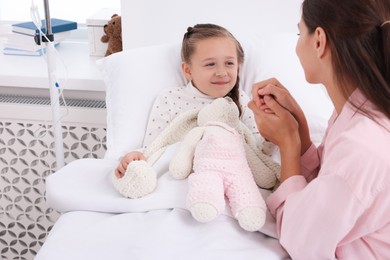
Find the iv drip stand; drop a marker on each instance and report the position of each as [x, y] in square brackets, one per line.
[54, 92]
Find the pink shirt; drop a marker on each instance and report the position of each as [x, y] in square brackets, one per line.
[340, 206]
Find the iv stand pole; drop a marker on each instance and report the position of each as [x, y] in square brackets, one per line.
[54, 91]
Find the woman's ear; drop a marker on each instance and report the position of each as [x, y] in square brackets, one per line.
[320, 42]
[186, 70]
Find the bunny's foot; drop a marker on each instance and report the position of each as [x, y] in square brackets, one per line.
[139, 180]
[203, 212]
[251, 218]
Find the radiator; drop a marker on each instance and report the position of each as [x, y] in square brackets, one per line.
[27, 157]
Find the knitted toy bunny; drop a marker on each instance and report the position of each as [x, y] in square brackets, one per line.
[225, 158]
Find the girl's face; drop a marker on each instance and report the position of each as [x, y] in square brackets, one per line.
[305, 50]
[214, 66]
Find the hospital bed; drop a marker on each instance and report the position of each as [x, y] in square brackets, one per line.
[98, 223]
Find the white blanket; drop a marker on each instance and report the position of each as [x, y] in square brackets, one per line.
[158, 234]
[85, 185]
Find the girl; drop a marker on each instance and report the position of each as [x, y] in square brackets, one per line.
[334, 200]
[211, 58]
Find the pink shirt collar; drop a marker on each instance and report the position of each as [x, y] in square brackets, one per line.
[359, 100]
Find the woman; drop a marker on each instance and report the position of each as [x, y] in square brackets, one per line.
[334, 200]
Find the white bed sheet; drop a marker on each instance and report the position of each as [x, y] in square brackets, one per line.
[101, 224]
[159, 234]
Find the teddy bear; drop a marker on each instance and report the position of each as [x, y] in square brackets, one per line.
[113, 35]
[220, 157]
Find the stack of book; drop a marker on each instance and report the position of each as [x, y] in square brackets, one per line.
[21, 40]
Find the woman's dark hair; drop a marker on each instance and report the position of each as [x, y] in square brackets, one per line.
[205, 31]
[359, 38]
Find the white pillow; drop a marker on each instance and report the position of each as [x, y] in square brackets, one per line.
[135, 77]
[278, 59]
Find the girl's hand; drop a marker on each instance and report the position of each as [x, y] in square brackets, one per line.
[128, 158]
[272, 87]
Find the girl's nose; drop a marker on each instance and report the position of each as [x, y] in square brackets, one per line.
[220, 73]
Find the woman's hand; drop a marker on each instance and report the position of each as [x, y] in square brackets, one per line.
[128, 158]
[279, 126]
[272, 87]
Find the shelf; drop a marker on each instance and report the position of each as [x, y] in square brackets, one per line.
[76, 69]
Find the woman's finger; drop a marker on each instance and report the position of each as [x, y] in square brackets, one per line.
[265, 84]
[274, 106]
[257, 86]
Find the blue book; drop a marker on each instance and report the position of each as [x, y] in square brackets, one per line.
[57, 26]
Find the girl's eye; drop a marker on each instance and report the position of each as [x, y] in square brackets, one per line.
[210, 64]
[230, 63]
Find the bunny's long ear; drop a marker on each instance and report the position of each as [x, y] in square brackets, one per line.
[267, 171]
[173, 133]
[248, 136]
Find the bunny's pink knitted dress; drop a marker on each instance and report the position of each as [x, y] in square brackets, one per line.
[221, 168]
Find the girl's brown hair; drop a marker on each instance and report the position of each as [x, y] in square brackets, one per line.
[205, 31]
[359, 39]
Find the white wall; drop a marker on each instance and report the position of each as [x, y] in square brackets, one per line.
[75, 10]
[150, 22]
